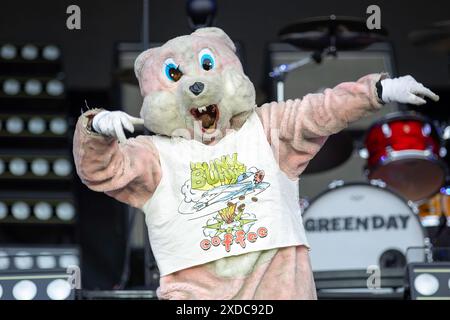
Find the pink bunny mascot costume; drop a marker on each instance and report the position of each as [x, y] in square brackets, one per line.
[218, 182]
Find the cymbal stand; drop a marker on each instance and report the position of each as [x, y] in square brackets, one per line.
[280, 72]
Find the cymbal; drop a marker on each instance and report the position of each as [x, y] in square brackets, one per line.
[337, 150]
[436, 37]
[344, 33]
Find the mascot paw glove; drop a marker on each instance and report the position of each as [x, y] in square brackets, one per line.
[406, 90]
[112, 123]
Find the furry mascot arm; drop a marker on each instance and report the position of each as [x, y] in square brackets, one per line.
[303, 125]
[129, 171]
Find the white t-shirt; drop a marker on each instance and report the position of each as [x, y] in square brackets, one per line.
[216, 201]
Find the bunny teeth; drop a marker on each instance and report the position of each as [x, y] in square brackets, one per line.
[207, 115]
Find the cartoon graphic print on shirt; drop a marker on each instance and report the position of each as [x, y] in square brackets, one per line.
[221, 187]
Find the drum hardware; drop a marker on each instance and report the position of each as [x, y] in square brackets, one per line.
[303, 203]
[429, 253]
[280, 72]
[386, 130]
[363, 153]
[413, 206]
[378, 183]
[393, 155]
[389, 151]
[335, 184]
[446, 133]
[428, 250]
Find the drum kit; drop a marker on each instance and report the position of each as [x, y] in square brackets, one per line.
[353, 226]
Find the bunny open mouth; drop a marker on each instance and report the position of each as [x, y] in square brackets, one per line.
[208, 115]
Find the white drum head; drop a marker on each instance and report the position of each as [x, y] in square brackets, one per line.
[350, 227]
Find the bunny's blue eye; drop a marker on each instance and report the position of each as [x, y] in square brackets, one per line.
[172, 70]
[206, 59]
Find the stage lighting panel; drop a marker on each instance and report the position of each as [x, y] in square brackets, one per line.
[62, 167]
[33, 93]
[51, 52]
[46, 261]
[5, 261]
[23, 260]
[36, 125]
[20, 210]
[36, 259]
[65, 261]
[14, 125]
[43, 210]
[53, 208]
[58, 125]
[29, 53]
[31, 87]
[65, 211]
[3, 210]
[17, 166]
[8, 51]
[51, 166]
[33, 125]
[54, 88]
[429, 281]
[11, 87]
[51, 286]
[40, 167]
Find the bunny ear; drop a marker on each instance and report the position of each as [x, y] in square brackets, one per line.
[141, 59]
[215, 33]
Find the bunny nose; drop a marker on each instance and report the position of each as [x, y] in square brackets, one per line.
[197, 88]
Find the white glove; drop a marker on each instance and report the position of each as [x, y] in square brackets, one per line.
[111, 124]
[406, 90]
